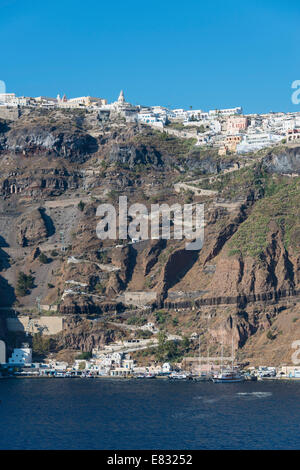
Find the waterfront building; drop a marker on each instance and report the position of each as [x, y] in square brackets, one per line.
[58, 365]
[166, 367]
[128, 364]
[120, 372]
[21, 356]
[290, 371]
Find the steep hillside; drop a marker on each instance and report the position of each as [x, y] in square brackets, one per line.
[58, 166]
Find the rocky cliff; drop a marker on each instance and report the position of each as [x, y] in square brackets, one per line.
[58, 167]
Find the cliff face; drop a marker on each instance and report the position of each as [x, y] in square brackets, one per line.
[285, 161]
[135, 155]
[31, 228]
[73, 145]
[58, 168]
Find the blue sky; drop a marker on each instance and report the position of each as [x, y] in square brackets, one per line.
[208, 54]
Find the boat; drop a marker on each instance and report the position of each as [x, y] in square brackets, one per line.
[202, 378]
[230, 376]
[145, 376]
[178, 376]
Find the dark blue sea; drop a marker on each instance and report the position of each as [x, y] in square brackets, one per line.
[154, 414]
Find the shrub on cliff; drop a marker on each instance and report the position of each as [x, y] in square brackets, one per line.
[84, 355]
[25, 282]
[81, 206]
[43, 258]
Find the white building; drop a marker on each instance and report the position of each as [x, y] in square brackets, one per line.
[8, 98]
[253, 142]
[225, 112]
[21, 356]
[179, 114]
[215, 126]
[166, 367]
[58, 365]
[88, 101]
[149, 117]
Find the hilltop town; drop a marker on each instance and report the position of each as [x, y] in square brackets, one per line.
[72, 297]
[228, 130]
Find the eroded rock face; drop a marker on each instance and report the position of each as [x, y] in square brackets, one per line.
[31, 229]
[245, 275]
[207, 164]
[81, 335]
[135, 155]
[75, 146]
[287, 161]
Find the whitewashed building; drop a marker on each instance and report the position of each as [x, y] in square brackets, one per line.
[225, 112]
[254, 142]
[21, 356]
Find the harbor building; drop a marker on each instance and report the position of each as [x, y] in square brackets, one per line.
[21, 356]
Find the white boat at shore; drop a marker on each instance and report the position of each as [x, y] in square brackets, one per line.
[230, 376]
[178, 376]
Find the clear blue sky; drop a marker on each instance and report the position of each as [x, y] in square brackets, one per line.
[208, 54]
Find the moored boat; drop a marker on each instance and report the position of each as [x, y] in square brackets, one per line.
[178, 376]
[229, 376]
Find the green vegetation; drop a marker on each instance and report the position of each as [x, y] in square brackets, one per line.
[41, 345]
[144, 334]
[113, 195]
[100, 288]
[24, 284]
[176, 125]
[171, 350]
[240, 182]
[281, 207]
[43, 258]
[189, 196]
[161, 317]
[138, 321]
[84, 355]
[271, 335]
[171, 146]
[103, 257]
[81, 206]
[164, 255]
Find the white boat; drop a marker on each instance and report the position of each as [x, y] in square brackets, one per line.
[230, 376]
[178, 376]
